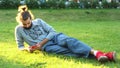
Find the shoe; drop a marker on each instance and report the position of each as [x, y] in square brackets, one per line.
[111, 56]
[101, 57]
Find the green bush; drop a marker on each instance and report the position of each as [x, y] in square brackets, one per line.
[54, 4]
[110, 5]
[74, 5]
[61, 4]
[9, 4]
[32, 4]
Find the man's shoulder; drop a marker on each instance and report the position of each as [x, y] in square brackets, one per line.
[18, 27]
[37, 21]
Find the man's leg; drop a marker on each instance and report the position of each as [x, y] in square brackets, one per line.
[82, 49]
[79, 47]
[56, 49]
[73, 45]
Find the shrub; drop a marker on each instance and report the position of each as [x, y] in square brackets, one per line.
[32, 4]
[9, 4]
[55, 4]
[110, 5]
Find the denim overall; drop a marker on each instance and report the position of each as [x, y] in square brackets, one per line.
[65, 45]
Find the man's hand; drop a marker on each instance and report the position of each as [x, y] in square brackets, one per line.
[37, 46]
[26, 49]
[33, 48]
[30, 49]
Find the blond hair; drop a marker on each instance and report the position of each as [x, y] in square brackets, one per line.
[23, 13]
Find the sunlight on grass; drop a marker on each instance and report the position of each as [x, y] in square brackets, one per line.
[39, 59]
[95, 29]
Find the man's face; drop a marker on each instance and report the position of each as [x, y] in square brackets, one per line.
[27, 24]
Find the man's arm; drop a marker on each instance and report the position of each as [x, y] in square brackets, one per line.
[49, 30]
[42, 43]
[19, 39]
[38, 46]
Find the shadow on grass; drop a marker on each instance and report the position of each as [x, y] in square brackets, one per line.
[4, 63]
[92, 60]
[37, 65]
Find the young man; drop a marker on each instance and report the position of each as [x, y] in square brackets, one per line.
[41, 36]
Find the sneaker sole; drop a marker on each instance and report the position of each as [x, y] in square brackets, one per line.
[114, 56]
[103, 59]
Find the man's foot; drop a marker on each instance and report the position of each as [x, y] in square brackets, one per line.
[101, 57]
[111, 56]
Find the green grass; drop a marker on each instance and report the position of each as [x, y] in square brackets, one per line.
[98, 28]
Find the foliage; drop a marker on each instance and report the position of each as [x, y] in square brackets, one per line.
[110, 5]
[55, 4]
[32, 4]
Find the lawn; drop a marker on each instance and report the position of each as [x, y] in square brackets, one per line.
[98, 28]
